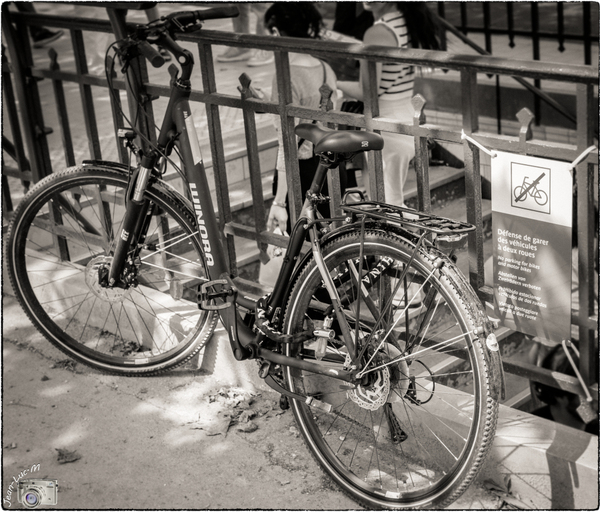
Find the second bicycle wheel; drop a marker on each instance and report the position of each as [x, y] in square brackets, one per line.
[63, 235]
[413, 432]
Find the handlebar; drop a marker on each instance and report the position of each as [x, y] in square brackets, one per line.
[151, 54]
[163, 31]
[185, 18]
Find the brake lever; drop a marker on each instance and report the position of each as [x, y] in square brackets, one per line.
[179, 26]
[193, 28]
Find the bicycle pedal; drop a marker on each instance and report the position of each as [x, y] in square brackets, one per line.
[263, 372]
[205, 296]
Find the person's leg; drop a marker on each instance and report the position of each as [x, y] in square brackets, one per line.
[260, 57]
[41, 36]
[398, 151]
[241, 25]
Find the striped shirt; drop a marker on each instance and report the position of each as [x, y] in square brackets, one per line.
[396, 79]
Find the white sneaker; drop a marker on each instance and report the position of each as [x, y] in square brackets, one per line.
[261, 58]
[235, 55]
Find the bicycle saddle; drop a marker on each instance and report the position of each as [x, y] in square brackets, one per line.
[339, 141]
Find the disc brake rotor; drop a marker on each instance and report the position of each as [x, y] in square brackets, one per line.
[111, 295]
[373, 395]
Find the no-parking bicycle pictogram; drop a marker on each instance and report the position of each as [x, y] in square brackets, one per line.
[530, 188]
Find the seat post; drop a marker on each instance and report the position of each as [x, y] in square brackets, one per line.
[320, 176]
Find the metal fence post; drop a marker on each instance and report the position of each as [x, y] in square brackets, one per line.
[28, 96]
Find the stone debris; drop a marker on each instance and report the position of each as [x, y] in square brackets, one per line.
[65, 456]
[238, 407]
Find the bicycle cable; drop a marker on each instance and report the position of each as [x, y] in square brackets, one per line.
[133, 125]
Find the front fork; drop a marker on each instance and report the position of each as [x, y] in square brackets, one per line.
[134, 222]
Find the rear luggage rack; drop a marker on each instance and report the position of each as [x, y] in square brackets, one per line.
[448, 229]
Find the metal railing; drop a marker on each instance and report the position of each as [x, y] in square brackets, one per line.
[24, 77]
[526, 24]
[524, 19]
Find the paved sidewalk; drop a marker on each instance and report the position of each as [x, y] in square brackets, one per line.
[154, 442]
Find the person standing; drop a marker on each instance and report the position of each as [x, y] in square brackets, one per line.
[308, 74]
[399, 25]
[241, 25]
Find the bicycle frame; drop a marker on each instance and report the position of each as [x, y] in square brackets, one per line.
[178, 127]
[246, 341]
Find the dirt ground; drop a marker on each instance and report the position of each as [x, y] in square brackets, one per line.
[177, 441]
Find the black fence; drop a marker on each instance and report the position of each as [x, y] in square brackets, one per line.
[30, 156]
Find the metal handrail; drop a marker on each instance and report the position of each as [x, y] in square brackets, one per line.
[417, 57]
[535, 90]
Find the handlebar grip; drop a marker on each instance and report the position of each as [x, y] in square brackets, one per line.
[185, 18]
[215, 13]
[152, 54]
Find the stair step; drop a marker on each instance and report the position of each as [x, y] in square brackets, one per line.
[447, 191]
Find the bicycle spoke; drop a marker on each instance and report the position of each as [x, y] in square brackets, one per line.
[66, 242]
[408, 422]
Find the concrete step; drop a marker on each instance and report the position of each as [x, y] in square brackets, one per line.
[447, 192]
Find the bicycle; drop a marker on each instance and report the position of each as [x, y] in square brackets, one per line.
[527, 188]
[373, 337]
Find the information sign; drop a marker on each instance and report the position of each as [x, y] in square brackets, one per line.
[532, 220]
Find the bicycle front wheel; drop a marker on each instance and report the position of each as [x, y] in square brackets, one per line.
[63, 235]
[413, 432]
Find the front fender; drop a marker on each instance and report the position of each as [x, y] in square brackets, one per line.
[164, 187]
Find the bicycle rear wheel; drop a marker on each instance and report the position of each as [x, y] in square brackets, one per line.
[414, 432]
[63, 235]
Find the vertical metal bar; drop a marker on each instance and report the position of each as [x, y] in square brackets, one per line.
[498, 105]
[473, 179]
[587, 32]
[218, 153]
[258, 200]
[371, 101]
[535, 37]
[421, 158]
[117, 114]
[87, 98]
[463, 18]
[586, 198]
[560, 15]
[10, 103]
[290, 146]
[61, 109]
[32, 120]
[333, 175]
[486, 27]
[441, 8]
[91, 127]
[7, 206]
[511, 24]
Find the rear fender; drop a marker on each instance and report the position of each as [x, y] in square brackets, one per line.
[490, 346]
[344, 230]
